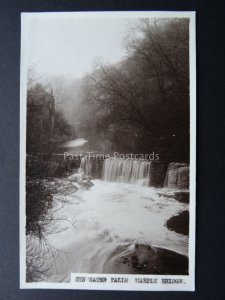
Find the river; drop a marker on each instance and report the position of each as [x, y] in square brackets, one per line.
[103, 225]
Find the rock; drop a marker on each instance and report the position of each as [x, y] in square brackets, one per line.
[75, 177]
[97, 168]
[182, 197]
[76, 184]
[183, 177]
[158, 173]
[179, 223]
[67, 189]
[86, 184]
[145, 259]
[40, 115]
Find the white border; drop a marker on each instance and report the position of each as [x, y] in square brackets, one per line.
[189, 280]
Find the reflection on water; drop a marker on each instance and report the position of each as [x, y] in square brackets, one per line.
[75, 143]
[108, 222]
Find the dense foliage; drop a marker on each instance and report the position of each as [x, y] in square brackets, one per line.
[46, 125]
[142, 103]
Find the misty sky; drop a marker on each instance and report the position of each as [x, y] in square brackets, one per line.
[69, 47]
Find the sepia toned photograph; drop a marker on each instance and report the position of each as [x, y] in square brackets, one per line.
[107, 150]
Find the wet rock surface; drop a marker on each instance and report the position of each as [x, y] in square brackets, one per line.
[182, 197]
[81, 181]
[158, 173]
[145, 259]
[179, 196]
[179, 223]
[177, 176]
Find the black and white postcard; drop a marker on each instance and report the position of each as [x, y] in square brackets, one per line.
[107, 151]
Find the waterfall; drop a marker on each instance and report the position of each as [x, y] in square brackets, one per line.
[86, 166]
[127, 171]
[177, 176]
[91, 166]
[138, 172]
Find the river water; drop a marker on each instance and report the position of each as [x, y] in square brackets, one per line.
[104, 224]
[74, 143]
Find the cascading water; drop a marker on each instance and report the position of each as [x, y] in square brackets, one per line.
[177, 176]
[91, 166]
[127, 171]
[114, 226]
[118, 226]
[86, 165]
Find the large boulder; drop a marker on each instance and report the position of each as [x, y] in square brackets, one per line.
[182, 197]
[179, 223]
[146, 259]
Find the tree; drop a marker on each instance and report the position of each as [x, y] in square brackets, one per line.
[146, 96]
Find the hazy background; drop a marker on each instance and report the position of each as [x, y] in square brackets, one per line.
[69, 47]
[121, 84]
